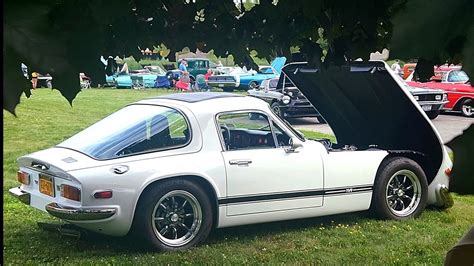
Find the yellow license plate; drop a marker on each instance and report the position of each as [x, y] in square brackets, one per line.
[46, 185]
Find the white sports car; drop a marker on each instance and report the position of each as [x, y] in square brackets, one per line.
[171, 168]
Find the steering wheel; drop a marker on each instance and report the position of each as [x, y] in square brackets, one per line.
[226, 135]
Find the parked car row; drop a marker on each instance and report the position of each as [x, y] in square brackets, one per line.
[453, 81]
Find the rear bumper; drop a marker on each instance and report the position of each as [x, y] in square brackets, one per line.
[65, 212]
[79, 214]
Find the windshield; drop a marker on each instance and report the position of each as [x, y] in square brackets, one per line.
[273, 83]
[132, 130]
[265, 70]
[457, 76]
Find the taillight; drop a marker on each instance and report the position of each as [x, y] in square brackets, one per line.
[23, 177]
[448, 171]
[106, 194]
[70, 192]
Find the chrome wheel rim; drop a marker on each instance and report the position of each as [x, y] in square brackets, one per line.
[467, 110]
[253, 85]
[176, 218]
[403, 193]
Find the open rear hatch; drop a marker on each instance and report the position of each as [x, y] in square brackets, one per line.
[366, 107]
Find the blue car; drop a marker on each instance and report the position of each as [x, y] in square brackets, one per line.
[149, 77]
[245, 80]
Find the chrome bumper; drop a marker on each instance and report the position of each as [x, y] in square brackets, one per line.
[21, 195]
[446, 198]
[79, 214]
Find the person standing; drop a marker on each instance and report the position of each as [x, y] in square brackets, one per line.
[34, 79]
[183, 66]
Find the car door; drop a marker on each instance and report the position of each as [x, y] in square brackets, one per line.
[261, 175]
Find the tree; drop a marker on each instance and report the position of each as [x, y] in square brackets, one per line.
[66, 37]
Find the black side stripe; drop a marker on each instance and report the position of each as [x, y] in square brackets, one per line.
[299, 194]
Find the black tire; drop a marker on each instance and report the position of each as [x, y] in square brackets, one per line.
[276, 109]
[321, 120]
[253, 85]
[227, 89]
[432, 114]
[467, 108]
[49, 84]
[387, 199]
[148, 208]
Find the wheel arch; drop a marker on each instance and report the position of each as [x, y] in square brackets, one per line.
[421, 159]
[199, 180]
[457, 105]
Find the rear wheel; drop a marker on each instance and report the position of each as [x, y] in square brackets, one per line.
[432, 114]
[400, 189]
[253, 85]
[467, 108]
[174, 215]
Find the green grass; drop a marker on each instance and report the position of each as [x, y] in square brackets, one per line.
[46, 118]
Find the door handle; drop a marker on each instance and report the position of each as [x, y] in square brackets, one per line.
[240, 162]
[120, 169]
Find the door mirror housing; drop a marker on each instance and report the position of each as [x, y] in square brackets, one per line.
[293, 145]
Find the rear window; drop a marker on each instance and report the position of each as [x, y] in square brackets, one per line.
[132, 130]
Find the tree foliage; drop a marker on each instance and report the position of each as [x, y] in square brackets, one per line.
[65, 37]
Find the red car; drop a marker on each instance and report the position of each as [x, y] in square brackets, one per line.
[456, 83]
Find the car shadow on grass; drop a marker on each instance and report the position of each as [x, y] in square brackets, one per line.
[99, 244]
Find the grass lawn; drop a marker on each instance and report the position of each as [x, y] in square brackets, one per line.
[46, 119]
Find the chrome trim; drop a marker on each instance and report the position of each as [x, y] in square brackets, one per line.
[445, 196]
[21, 195]
[79, 214]
[432, 102]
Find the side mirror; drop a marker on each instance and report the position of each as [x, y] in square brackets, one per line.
[293, 145]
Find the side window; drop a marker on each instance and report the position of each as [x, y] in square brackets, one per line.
[282, 138]
[246, 130]
[158, 132]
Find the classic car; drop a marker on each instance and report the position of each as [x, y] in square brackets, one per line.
[143, 78]
[456, 84]
[44, 81]
[431, 101]
[197, 66]
[285, 99]
[248, 79]
[136, 170]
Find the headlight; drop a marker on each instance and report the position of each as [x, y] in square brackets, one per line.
[290, 94]
[286, 99]
[438, 97]
[445, 97]
[416, 97]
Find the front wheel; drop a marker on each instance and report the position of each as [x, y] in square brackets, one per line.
[49, 84]
[400, 189]
[174, 215]
[467, 108]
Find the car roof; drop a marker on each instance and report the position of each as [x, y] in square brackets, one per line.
[193, 97]
[207, 101]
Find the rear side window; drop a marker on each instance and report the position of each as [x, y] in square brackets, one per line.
[132, 130]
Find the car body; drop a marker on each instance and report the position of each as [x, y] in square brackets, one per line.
[143, 78]
[178, 165]
[285, 99]
[456, 84]
[248, 79]
[431, 101]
